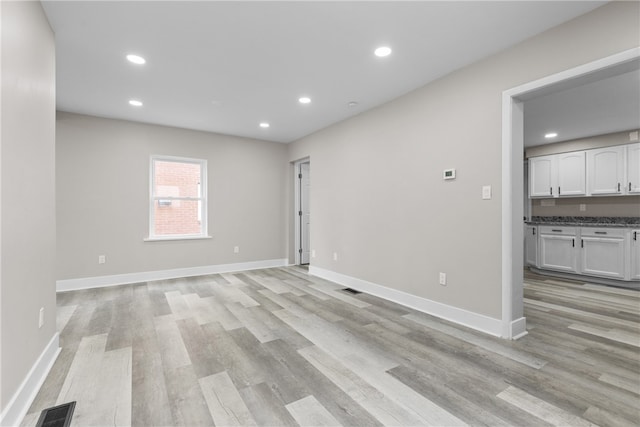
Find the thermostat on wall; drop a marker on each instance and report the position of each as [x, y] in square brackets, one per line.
[449, 174]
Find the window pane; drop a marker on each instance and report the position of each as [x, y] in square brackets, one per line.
[173, 217]
[176, 179]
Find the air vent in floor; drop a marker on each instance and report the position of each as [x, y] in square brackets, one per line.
[352, 291]
[58, 416]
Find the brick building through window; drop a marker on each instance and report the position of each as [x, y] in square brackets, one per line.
[177, 197]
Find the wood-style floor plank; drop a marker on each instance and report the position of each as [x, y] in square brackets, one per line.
[277, 347]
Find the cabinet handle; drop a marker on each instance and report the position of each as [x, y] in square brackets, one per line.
[573, 243]
[629, 187]
[558, 190]
[618, 187]
[534, 231]
[581, 243]
[556, 230]
[600, 232]
[635, 235]
[551, 190]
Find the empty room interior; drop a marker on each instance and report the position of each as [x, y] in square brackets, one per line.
[320, 213]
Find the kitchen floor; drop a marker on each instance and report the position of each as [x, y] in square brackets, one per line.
[279, 347]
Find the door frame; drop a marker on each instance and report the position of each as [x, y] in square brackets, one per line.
[296, 208]
[513, 320]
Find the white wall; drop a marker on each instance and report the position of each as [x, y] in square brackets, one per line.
[378, 198]
[103, 188]
[27, 171]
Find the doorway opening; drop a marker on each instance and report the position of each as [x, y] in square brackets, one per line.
[302, 214]
[513, 321]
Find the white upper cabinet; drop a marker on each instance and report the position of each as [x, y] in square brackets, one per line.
[557, 175]
[633, 169]
[600, 172]
[571, 174]
[605, 171]
[543, 176]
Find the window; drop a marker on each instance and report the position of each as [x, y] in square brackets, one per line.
[178, 198]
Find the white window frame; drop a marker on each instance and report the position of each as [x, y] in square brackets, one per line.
[202, 200]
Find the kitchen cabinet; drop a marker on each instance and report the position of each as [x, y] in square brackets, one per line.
[557, 248]
[605, 171]
[602, 252]
[635, 254]
[531, 245]
[542, 176]
[633, 169]
[557, 175]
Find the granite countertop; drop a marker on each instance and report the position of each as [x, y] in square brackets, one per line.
[586, 221]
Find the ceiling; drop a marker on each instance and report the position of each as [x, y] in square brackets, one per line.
[227, 66]
[605, 103]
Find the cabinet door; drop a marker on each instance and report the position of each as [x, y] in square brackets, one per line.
[542, 176]
[531, 245]
[603, 256]
[605, 170]
[635, 254]
[557, 252]
[633, 169]
[572, 174]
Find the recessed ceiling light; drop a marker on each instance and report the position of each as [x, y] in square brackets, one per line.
[135, 103]
[264, 125]
[304, 100]
[550, 135]
[382, 51]
[136, 59]
[352, 104]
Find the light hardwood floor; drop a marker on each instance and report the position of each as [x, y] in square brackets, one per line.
[277, 347]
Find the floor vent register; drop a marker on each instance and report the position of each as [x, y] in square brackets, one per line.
[58, 416]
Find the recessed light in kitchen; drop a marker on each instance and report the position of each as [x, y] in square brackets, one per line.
[550, 135]
[135, 103]
[304, 100]
[352, 104]
[264, 125]
[382, 51]
[139, 60]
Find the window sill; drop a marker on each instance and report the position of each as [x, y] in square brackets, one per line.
[170, 238]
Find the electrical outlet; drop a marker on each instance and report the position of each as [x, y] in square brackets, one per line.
[313, 253]
[102, 259]
[443, 279]
[236, 249]
[41, 318]
[335, 256]
[583, 207]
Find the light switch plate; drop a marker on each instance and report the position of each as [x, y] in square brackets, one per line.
[486, 192]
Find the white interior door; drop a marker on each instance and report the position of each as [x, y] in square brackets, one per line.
[305, 212]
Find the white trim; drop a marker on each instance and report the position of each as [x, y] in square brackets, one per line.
[19, 404]
[510, 100]
[175, 237]
[518, 328]
[147, 276]
[457, 315]
[202, 200]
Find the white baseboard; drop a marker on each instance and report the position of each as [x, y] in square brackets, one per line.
[472, 320]
[147, 276]
[518, 328]
[19, 404]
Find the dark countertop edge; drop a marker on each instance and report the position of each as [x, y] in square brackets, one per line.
[583, 224]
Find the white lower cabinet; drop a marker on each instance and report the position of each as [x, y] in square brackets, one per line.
[635, 254]
[557, 248]
[602, 252]
[607, 252]
[531, 245]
